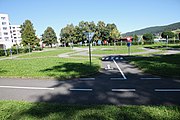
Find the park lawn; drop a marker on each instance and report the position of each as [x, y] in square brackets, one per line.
[162, 46]
[118, 50]
[60, 68]
[50, 53]
[164, 65]
[18, 110]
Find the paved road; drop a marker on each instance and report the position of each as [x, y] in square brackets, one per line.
[118, 83]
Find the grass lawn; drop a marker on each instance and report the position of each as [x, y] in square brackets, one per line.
[117, 50]
[162, 46]
[165, 65]
[49, 53]
[46, 64]
[48, 111]
[61, 68]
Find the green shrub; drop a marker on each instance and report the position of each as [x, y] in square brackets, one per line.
[2, 53]
[38, 49]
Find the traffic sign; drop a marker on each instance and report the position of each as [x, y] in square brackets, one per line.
[89, 35]
[129, 39]
[128, 44]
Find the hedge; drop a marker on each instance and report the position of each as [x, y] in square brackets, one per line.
[14, 51]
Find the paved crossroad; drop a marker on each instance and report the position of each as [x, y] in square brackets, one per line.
[123, 84]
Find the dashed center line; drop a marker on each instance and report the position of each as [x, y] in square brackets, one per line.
[86, 79]
[150, 78]
[167, 90]
[32, 88]
[123, 90]
[73, 89]
[117, 79]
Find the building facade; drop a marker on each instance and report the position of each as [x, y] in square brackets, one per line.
[9, 34]
[16, 35]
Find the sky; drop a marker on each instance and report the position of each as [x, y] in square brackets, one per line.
[128, 15]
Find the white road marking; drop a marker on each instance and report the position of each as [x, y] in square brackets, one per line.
[32, 88]
[150, 78]
[120, 70]
[108, 67]
[72, 89]
[117, 79]
[86, 79]
[167, 90]
[123, 90]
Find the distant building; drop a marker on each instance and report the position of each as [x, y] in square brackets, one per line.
[15, 29]
[9, 34]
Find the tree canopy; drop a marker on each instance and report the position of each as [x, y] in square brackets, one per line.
[102, 31]
[49, 36]
[28, 34]
[167, 33]
[148, 36]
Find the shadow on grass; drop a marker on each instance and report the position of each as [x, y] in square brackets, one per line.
[163, 65]
[98, 112]
[2, 71]
[84, 105]
[71, 70]
[164, 47]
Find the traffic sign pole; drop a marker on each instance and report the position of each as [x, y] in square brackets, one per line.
[89, 37]
[129, 50]
[129, 40]
[90, 52]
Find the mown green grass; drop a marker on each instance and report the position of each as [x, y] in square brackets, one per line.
[49, 53]
[14, 110]
[165, 65]
[61, 68]
[162, 46]
[117, 50]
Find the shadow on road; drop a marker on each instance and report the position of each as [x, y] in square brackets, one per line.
[102, 94]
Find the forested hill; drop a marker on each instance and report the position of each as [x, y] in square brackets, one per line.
[154, 30]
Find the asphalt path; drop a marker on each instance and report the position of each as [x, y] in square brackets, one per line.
[118, 83]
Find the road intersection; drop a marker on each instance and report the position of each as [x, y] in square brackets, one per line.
[118, 83]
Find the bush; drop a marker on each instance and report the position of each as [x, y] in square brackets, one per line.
[2, 53]
[15, 51]
[38, 49]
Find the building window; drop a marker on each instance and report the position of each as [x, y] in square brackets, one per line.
[14, 34]
[15, 37]
[3, 18]
[0, 37]
[5, 33]
[13, 27]
[14, 30]
[4, 28]
[6, 38]
[3, 23]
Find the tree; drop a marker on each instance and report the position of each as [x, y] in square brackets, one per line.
[67, 33]
[135, 38]
[148, 37]
[167, 33]
[101, 30]
[115, 34]
[49, 36]
[28, 33]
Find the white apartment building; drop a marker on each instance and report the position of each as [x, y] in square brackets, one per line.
[16, 35]
[9, 34]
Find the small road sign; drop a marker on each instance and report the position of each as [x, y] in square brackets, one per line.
[128, 44]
